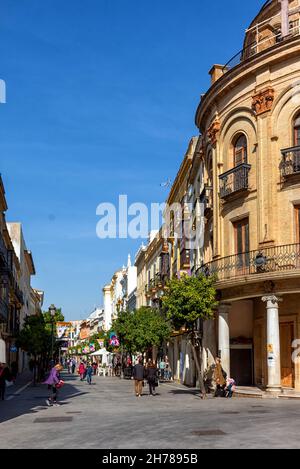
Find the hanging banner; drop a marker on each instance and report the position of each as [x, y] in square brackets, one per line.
[113, 340]
[101, 342]
[63, 330]
[92, 348]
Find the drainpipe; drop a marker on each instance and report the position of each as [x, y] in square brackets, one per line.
[285, 25]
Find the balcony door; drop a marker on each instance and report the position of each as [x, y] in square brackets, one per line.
[297, 132]
[296, 154]
[241, 230]
[240, 150]
[297, 224]
[240, 157]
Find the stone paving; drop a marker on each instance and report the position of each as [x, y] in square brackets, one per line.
[108, 415]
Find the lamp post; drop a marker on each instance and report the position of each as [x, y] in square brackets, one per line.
[52, 311]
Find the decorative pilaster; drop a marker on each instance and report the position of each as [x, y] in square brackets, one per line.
[273, 343]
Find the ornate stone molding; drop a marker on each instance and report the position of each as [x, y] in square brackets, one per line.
[269, 286]
[263, 101]
[212, 132]
[272, 299]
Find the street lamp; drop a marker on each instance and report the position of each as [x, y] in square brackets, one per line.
[52, 311]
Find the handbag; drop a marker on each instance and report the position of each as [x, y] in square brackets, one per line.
[60, 384]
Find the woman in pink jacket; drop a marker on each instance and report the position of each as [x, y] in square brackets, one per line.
[82, 370]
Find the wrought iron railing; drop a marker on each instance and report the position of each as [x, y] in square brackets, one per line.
[290, 163]
[150, 286]
[256, 47]
[274, 259]
[19, 293]
[3, 310]
[159, 282]
[206, 199]
[3, 251]
[234, 180]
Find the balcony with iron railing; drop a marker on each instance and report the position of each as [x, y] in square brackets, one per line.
[290, 162]
[284, 259]
[234, 181]
[3, 251]
[262, 43]
[206, 199]
[18, 293]
[150, 286]
[3, 310]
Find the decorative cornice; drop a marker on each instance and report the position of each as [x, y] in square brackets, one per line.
[263, 101]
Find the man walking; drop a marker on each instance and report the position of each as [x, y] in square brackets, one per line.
[138, 376]
[162, 367]
[89, 373]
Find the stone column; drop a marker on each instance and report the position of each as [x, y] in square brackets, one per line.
[273, 344]
[224, 336]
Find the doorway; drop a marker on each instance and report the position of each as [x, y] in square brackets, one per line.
[241, 365]
[286, 351]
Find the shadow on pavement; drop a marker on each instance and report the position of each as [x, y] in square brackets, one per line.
[32, 400]
[190, 392]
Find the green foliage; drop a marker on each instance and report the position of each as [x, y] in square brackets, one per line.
[34, 338]
[123, 327]
[141, 329]
[59, 317]
[189, 299]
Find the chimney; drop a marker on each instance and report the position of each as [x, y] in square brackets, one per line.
[216, 72]
[285, 24]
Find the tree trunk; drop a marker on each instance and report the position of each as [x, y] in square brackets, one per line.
[34, 371]
[199, 369]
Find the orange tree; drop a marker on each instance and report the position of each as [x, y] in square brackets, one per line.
[188, 302]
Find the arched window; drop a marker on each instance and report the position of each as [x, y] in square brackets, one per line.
[297, 131]
[240, 150]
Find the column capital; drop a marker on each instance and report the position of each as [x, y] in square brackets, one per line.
[272, 298]
[224, 308]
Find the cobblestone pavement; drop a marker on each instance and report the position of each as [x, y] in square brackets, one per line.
[108, 415]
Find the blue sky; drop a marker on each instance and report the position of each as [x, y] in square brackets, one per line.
[101, 98]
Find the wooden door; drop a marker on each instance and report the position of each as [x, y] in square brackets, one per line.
[286, 351]
[241, 229]
[297, 216]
